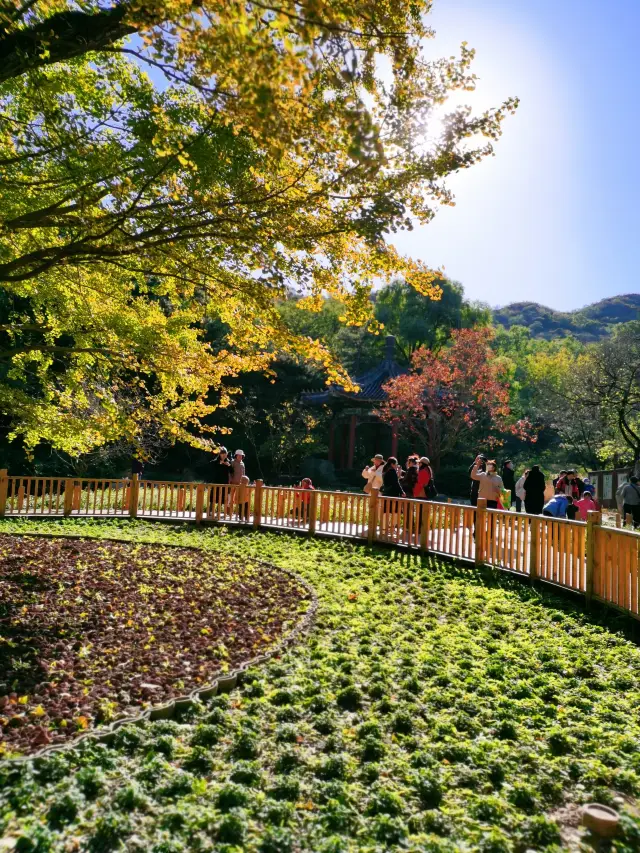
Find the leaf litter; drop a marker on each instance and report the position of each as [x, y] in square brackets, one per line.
[90, 631]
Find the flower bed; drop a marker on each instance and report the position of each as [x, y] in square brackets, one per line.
[431, 709]
[94, 630]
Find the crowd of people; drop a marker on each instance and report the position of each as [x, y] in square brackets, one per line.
[392, 481]
[573, 496]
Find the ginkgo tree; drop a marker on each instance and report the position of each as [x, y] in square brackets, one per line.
[167, 165]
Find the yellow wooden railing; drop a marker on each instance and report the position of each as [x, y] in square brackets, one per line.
[598, 562]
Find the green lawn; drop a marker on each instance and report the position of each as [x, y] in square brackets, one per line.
[431, 709]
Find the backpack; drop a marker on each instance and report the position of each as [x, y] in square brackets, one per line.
[432, 491]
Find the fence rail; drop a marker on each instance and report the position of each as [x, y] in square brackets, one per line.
[598, 562]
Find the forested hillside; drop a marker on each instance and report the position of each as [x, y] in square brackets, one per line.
[588, 324]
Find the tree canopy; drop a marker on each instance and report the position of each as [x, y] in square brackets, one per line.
[398, 309]
[592, 396]
[168, 165]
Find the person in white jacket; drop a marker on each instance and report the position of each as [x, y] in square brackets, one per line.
[520, 492]
[373, 473]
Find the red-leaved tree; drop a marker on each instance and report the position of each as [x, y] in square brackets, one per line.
[452, 395]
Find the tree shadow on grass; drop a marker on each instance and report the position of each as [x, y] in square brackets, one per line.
[21, 647]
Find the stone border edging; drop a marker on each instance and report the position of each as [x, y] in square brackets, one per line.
[222, 682]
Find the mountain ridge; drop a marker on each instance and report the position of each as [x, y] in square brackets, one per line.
[589, 324]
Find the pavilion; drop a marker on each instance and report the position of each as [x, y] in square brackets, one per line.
[355, 433]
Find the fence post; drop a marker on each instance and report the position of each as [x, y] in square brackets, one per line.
[134, 491]
[69, 489]
[313, 511]
[199, 502]
[481, 531]
[425, 509]
[533, 548]
[618, 520]
[257, 505]
[4, 486]
[593, 521]
[373, 516]
[241, 497]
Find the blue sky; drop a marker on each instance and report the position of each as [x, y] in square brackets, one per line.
[554, 217]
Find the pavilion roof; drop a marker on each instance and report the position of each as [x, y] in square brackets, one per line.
[370, 383]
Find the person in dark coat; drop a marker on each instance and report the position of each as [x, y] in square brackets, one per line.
[509, 479]
[475, 484]
[220, 476]
[534, 487]
[391, 487]
[221, 468]
[410, 476]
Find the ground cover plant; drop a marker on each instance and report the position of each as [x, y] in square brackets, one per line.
[92, 630]
[432, 708]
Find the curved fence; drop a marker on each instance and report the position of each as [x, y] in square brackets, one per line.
[598, 562]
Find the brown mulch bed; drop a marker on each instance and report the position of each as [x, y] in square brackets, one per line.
[93, 630]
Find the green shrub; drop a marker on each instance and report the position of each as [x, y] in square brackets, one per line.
[402, 723]
[333, 768]
[372, 750]
[540, 832]
[349, 699]
[199, 760]
[230, 797]
[429, 789]
[246, 773]
[130, 798]
[287, 761]
[36, 840]
[232, 829]
[285, 788]
[207, 734]
[62, 810]
[495, 841]
[245, 746]
[91, 782]
[109, 833]
[276, 840]
[384, 801]
[129, 739]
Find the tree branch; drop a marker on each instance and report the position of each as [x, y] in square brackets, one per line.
[44, 348]
[63, 36]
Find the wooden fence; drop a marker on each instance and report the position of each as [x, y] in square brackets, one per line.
[598, 562]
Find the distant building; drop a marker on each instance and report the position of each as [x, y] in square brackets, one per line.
[355, 433]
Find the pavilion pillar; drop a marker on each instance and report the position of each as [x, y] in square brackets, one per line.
[352, 440]
[332, 440]
[394, 439]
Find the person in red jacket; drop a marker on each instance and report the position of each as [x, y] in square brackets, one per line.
[303, 498]
[425, 476]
